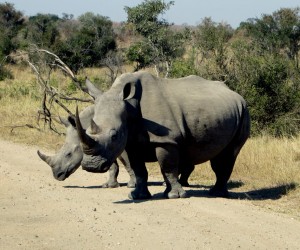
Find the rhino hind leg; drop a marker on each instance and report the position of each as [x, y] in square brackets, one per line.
[185, 172]
[169, 161]
[125, 161]
[113, 173]
[174, 190]
[222, 165]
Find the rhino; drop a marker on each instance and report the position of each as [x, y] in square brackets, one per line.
[68, 158]
[190, 120]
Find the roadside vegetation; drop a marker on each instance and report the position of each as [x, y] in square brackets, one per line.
[259, 60]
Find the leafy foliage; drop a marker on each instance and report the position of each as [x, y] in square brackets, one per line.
[92, 38]
[11, 21]
[42, 30]
[278, 31]
[160, 44]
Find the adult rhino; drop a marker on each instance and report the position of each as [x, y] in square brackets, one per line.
[190, 120]
[68, 158]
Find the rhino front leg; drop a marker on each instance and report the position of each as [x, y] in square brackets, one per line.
[139, 168]
[113, 173]
[125, 161]
[168, 158]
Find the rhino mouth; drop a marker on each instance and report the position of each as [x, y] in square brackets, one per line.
[61, 176]
[64, 175]
[95, 164]
[100, 169]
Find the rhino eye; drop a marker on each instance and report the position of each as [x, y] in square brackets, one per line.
[68, 155]
[113, 135]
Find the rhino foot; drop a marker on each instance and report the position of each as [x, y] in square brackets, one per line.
[175, 193]
[131, 184]
[109, 184]
[218, 192]
[139, 194]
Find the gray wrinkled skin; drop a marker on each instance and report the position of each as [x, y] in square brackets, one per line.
[69, 157]
[188, 120]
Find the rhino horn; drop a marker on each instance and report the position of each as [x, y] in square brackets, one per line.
[94, 128]
[87, 142]
[45, 158]
[92, 90]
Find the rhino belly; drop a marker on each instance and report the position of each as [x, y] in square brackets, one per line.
[203, 145]
[200, 153]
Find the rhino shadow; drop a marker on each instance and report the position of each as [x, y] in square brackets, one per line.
[157, 196]
[123, 184]
[272, 193]
[86, 187]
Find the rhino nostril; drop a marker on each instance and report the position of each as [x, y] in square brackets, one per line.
[59, 175]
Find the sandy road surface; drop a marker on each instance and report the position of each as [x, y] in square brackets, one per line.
[38, 212]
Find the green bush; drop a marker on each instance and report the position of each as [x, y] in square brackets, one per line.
[181, 68]
[270, 84]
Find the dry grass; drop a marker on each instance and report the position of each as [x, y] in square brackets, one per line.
[267, 171]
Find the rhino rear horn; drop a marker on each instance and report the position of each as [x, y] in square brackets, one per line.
[92, 90]
[45, 158]
[87, 142]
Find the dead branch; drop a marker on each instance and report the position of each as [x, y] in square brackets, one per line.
[21, 126]
[43, 67]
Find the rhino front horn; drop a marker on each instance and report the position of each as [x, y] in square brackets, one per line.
[44, 157]
[87, 142]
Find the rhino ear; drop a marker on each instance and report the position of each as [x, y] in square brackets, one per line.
[129, 91]
[72, 121]
[64, 121]
[93, 91]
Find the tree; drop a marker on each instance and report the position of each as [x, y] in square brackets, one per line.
[212, 42]
[92, 38]
[159, 44]
[277, 32]
[42, 30]
[270, 84]
[11, 21]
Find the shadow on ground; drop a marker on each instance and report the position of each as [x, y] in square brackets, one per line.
[121, 185]
[272, 193]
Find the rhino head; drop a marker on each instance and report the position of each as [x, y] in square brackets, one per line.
[68, 159]
[106, 137]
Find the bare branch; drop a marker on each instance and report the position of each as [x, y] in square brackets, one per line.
[21, 126]
[43, 62]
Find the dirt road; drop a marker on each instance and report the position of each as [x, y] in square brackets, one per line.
[38, 212]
